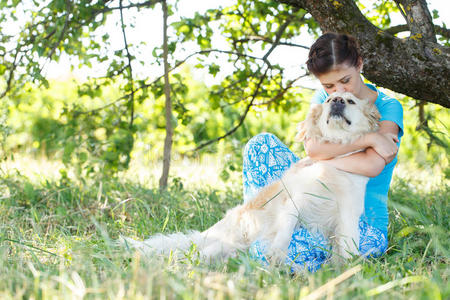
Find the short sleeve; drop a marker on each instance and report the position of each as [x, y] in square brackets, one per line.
[391, 110]
[319, 97]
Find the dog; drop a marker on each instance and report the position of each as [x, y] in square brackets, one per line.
[320, 197]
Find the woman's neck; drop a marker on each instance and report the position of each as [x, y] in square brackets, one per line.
[368, 93]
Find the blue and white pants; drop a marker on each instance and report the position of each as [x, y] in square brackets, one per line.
[266, 158]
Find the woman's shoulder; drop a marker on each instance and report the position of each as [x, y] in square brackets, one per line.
[386, 103]
[319, 97]
[390, 109]
[385, 99]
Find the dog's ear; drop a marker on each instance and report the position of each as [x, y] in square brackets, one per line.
[372, 114]
[308, 128]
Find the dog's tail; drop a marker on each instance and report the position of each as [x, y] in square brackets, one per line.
[164, 244]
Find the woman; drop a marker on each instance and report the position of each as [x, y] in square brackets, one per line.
[334, 59]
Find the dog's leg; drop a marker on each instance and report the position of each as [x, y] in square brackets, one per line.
[218, 249]
[285, 227]
[351, 207]
[348, 235]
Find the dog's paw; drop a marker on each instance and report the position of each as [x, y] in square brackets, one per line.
[301, 132]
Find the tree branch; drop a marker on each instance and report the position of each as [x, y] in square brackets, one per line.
[268, 40]
[137, 5]
[404, 27]
[402, 12]
[282, 91]
[279, 34]
[418, 68]
[130, 69]
[178, 64]
[240, 14]
[168, 104]
[61, 36]
[11, 74]
[256, 91]
[241, 119]
[418, 18]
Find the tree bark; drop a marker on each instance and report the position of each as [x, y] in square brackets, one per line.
[418, 18]
[416, 66]
[168, 106]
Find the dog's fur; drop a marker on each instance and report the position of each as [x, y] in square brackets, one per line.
[321, 197]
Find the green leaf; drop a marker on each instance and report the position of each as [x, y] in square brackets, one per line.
[214, 69]
[68, 150]
[435, 14]
[184, 29]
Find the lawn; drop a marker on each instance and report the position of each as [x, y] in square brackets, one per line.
[57, 239]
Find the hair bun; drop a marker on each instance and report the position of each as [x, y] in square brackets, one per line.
[332, 49]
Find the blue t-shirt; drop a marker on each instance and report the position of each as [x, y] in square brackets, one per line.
[375, 202]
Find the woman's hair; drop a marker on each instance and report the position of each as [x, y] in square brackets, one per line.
[332, 49]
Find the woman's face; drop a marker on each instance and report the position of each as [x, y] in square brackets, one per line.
[342, 78]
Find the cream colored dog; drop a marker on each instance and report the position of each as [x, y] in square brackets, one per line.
[320, 197]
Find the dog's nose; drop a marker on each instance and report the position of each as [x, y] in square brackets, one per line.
[337, 106]
[338, 100]
[338, 103]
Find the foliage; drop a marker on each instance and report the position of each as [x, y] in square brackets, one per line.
[53, 28]
[426, 145]
[60, 124]
[58, 241]
[56, 235]
[96, 129]
[40, 123]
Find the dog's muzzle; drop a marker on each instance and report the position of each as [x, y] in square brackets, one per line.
[337, 109]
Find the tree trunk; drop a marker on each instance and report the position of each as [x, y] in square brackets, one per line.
[168, 106]
[416, 66]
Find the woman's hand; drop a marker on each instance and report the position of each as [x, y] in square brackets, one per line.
[301, 132]
[385, 144]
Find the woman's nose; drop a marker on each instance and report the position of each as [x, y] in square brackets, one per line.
[340, 88]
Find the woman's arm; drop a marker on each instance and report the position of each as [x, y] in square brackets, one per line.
[326, 150]
[380, 149]
[383, 142]
[367, 163]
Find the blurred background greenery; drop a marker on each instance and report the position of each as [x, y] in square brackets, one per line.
[38, 125]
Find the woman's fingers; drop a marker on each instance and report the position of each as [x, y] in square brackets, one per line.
[386, 146]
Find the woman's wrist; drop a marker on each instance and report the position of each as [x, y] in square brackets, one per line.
[367, 140]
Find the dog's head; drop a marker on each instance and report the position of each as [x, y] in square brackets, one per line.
[342, 118]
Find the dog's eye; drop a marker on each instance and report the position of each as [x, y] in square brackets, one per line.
[350, 101]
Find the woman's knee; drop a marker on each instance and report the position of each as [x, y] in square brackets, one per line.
[373, 242]
[259, 140]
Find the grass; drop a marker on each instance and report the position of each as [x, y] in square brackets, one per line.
[57, 241]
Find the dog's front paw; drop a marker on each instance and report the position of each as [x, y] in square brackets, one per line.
[217, 250]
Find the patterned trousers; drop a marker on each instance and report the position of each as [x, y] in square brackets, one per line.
[266, 158]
